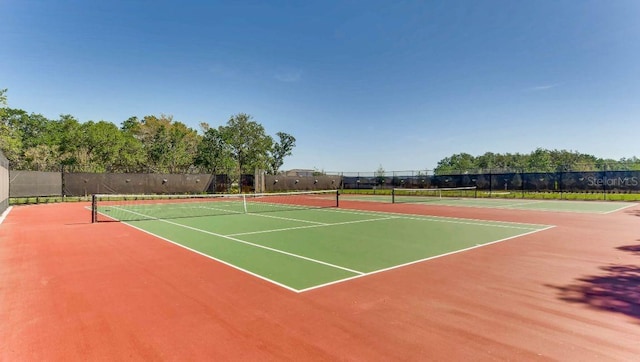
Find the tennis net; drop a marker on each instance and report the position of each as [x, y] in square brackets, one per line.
[153, 207]
[400, 195]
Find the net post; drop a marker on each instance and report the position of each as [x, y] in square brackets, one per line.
[337, 197]
[94, 208]
[393, 196]
[244, 202]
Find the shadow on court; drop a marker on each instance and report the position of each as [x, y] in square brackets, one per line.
[635, 249]
[616, 289]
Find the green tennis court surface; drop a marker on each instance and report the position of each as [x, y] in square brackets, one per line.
[593, 207]
[305, 248]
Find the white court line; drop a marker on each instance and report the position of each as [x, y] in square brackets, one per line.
[247, 243]
[505, 205]
[233, 212]
[445, 219]
[268, 216]
[311, 226]
[216, 259]
[620, 208]
[286, 218]
[396, 216]
[5, 213]
[358, 273]
[523, 203]
[418, 261]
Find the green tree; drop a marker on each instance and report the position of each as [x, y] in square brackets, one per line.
[170, 146]
[66, 133]
[457, 163]
[10, 138]
[280, 149]
[214, 154]
[248, 142]
[183, 147]
[540, 161]
[102, 141]
[572, 160]
[42, 158]
[33, 128]
[131, 156]
[631, 164]
[486, 161]
[27, 131]
[131, 125]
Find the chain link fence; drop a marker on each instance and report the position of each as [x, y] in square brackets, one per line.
[488, 182]
[507, 184]
[37, 184]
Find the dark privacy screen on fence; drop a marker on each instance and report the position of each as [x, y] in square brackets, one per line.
[596, 182]
[81, 184]
[33, 183]
[583, 181]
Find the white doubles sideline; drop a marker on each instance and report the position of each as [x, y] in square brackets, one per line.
[533, 228]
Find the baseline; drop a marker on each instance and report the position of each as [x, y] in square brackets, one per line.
[421, 260]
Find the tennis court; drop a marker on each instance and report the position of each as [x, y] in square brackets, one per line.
[467, 197]
[301, 241]
[292, 276]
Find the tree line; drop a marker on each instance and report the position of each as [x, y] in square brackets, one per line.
[159, 144]
[540, 160]
[155, 144]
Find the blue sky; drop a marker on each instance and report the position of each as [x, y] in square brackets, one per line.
[360, 84]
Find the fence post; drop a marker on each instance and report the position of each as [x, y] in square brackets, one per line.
[94, 208]
[62, 182]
